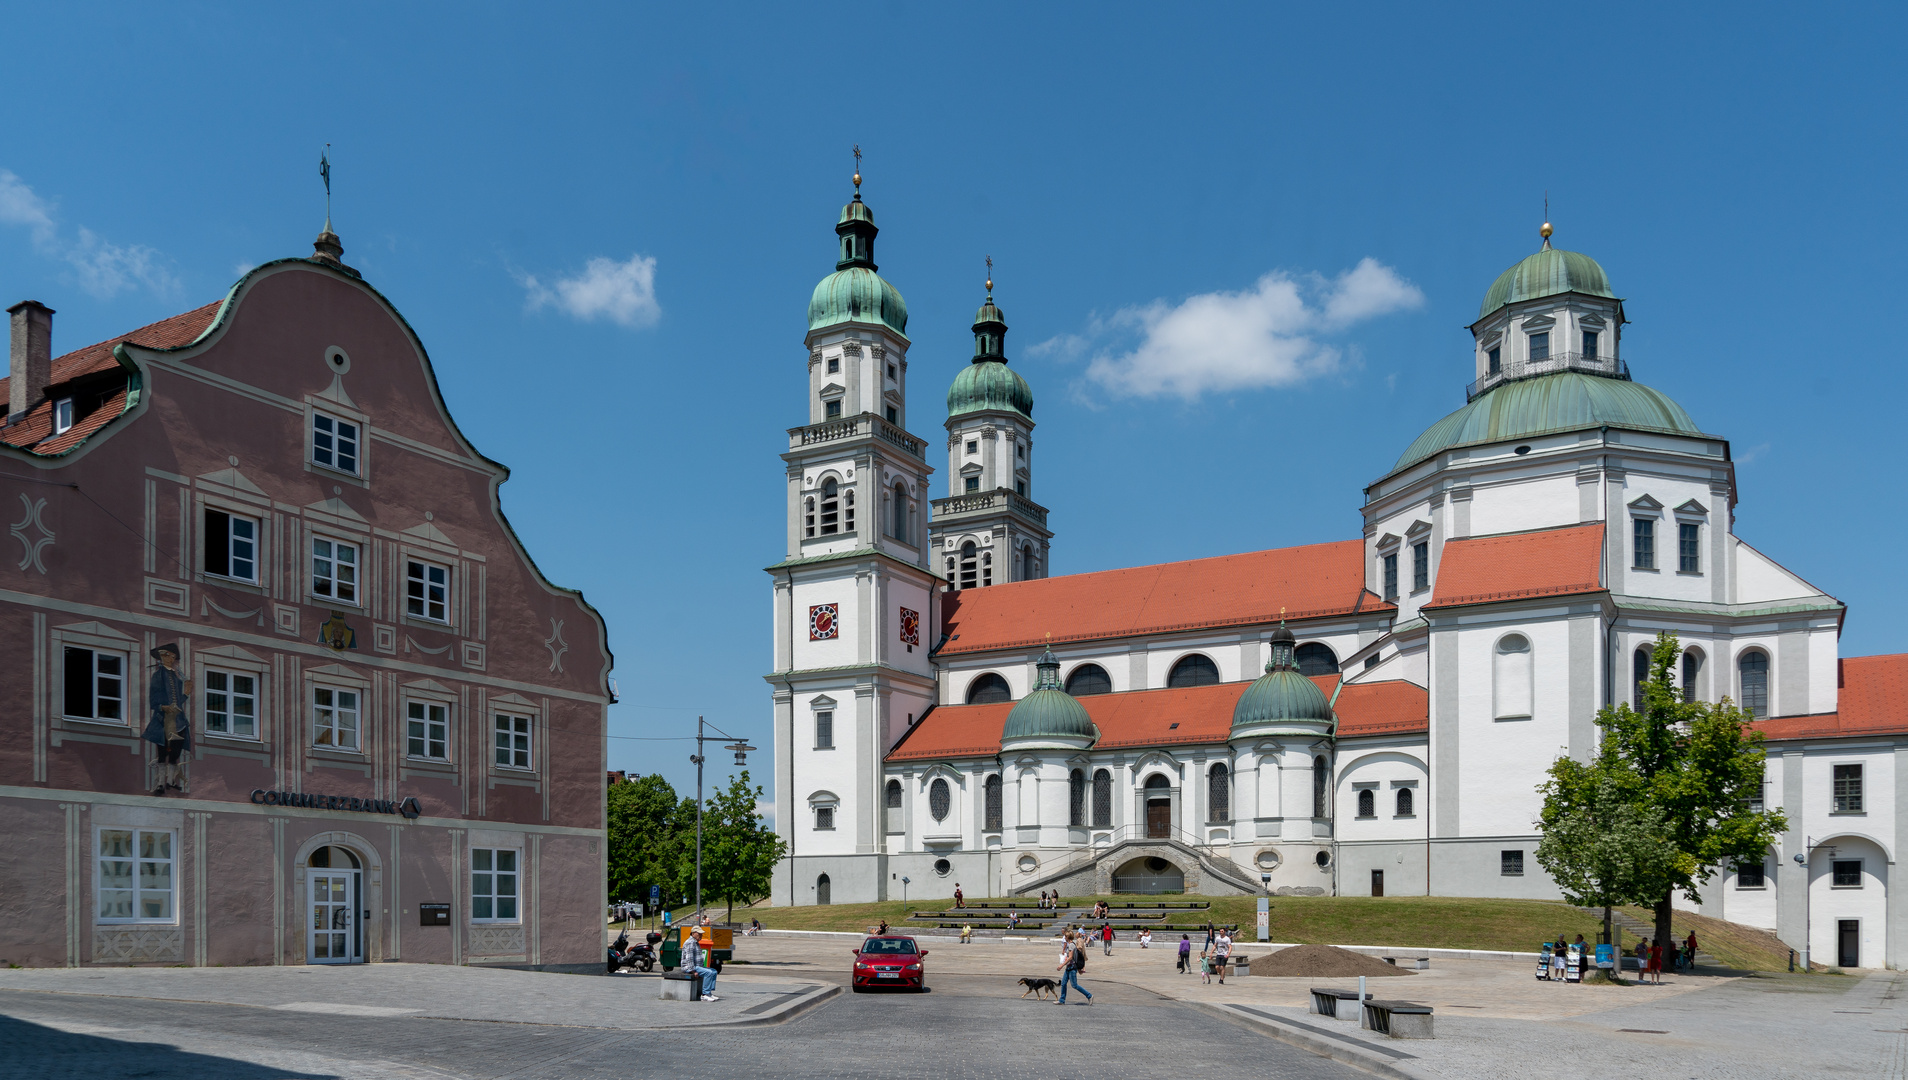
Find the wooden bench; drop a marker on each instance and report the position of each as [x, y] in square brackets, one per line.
[1327, 1001]
[680, 986]
[1398, 1019]
[1419, 963]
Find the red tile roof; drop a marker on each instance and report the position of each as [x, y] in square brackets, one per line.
[1231, 590]
[1550, 562]
[1199, 715]
[1872, 700]
[32, 429]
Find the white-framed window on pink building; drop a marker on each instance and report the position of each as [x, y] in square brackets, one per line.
[512, 741]
[334, 570]
[135, 882]
[231, 703]
[95, 684]
[493, 885]
[334, 718]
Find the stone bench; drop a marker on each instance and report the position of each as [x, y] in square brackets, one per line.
[1398, 1019]
[1330, 1001]
[1416, 963]
[680, 986]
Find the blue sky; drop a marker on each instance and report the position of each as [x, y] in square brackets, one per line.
[605, 224]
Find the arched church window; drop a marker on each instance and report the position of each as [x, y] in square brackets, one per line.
[1102, 799]
[940, 798]
[901, 513]
[970, 566]
[808, 516]
[1076, 799]
[1219, 795]
[848, 511]
[1316, 658]
[1754, 668]
[1026, 563]
[1193, 670]
[1640, 673]
[1510, 678]
[1089, 679]
[1405, 802]
[1321, 774]
[1692, 667]
[987, 568]
[992, 799]
[987, 689]
[893, 800]
[823, 892]
[830, 507]
[1367, 803]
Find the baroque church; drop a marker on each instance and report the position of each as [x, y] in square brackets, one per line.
[1367, 716]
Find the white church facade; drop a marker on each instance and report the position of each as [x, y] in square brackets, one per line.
[1370, 716]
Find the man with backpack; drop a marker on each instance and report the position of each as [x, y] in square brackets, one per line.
[1073, 962]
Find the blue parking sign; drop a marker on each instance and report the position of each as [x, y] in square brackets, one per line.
[655, 893]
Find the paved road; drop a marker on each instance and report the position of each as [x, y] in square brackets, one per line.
[967, 1026]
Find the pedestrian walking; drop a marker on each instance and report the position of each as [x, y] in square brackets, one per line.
[1205, 966]
[1211, 934]
[1185, 953]
[960, 901]
[1106, 938]
[1656, 963]
[1642, 951]
[1072, 962]
[1689, 950]
[1222, 955]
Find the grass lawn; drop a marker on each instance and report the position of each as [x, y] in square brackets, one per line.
[1426, 922]
[1737, 946]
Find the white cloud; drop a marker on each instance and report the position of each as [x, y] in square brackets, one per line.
[767, 811]
[103, 269]
[1265, 336]
[623, 292]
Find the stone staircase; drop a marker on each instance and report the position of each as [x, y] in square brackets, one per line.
[1635, 929]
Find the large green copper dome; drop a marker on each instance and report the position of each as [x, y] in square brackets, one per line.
[1282, 694]
[1565, 401]
[1049, 712]
[857, 294]
[988, 383]
[1549, 272]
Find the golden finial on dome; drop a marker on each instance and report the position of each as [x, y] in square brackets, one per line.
[990, 291]
[1545, 230]
[857, 170]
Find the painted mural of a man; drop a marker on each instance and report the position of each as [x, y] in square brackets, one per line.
[170, 725]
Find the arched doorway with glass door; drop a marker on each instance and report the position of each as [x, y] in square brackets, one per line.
[334, 883]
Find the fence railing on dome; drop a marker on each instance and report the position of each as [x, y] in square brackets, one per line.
[1607, 366]
[1108, 838]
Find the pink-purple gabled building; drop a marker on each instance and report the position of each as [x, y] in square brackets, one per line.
[251, 540]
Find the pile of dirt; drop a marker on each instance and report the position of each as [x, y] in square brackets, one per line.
[1321, 962]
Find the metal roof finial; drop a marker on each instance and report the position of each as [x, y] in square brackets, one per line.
[1545, 231]
[990, 299]
[324, 170]
[857, 172]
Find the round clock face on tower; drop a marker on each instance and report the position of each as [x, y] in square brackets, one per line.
[821, 621]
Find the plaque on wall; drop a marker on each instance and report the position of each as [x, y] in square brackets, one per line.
[433, 914]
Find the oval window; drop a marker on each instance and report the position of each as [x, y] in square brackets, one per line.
[938, 799]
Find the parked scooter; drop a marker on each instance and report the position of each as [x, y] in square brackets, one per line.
[641, 957]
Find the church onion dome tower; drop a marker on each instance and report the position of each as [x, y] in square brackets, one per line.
[988, 383]
[1547, 338]
[854, 292]
[1282, 701]
[1048, 717]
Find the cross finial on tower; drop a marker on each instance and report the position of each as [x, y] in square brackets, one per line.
[990, 293]
[1546, 230]
[857, 170]
[324, 170]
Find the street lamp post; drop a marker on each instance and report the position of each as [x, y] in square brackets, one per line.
[741, 758]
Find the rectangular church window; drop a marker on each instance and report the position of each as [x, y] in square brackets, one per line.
[1643, 543]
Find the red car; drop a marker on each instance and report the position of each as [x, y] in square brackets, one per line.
[889, 961]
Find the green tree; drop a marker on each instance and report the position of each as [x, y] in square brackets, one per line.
[739, 849]
[1690, 767]
[1601, 846]
[645, 838]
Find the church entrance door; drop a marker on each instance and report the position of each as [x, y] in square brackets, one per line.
[1159, 819]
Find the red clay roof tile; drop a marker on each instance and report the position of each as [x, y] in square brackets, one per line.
[1872, 700]
[1552, 562]
[1230, 590]
[1188, 716]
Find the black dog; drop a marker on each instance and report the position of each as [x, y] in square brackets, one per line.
[1036, 986]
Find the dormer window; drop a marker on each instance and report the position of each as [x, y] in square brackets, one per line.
[894, 415]
[973, 483]
[62, 415]
[1589, 344]
[1540, 346]
[1496, 357]
[831, 410]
